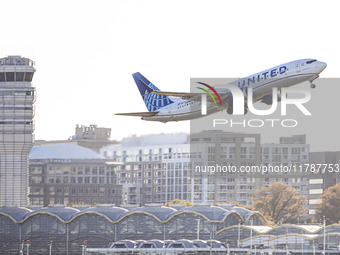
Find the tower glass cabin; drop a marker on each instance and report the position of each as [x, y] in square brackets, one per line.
[16, 128]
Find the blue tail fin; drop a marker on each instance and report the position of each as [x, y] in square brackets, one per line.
[152, 101]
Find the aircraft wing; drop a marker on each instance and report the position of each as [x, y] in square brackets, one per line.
[138, 114]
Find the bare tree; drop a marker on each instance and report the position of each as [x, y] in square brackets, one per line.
[280, 203]
[330, 205]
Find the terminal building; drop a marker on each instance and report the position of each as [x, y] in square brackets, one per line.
[16, 128]
[70, 227]
[140, 230]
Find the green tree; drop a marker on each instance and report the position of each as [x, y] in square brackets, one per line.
[330, 205]
[280, 203]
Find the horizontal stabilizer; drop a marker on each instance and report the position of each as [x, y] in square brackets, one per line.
[183, 95]
[139, 114]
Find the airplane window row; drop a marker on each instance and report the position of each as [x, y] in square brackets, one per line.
[187, 104]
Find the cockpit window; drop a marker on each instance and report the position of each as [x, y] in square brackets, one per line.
[310, 61]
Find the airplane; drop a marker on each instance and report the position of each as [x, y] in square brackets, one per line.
[178, 106]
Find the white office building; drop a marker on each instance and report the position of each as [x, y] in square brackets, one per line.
[160, 168]
[155, 170]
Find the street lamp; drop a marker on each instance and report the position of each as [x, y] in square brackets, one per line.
[228, 250]
[198, 227]
[28, 247]
[83, 250]
[211, 244]
[239, 233]
[22, 247]
[251, 235]
[324, 235]
[50, 247]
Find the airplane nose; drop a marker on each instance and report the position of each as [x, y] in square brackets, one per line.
[322, 66]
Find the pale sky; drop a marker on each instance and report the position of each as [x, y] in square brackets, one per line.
[86, 51]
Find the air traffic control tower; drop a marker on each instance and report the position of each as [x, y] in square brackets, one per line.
[16, 128]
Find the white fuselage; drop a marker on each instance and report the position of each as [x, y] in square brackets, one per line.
[262, 83]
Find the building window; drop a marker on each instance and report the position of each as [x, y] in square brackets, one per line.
[94, 170]
[87, 170]
[73, 170]
[36, 179]
[101, 170]
[66, 170]
[80, 170]
[88, 191]
[10, 76]
[28, 77]
[102, 191]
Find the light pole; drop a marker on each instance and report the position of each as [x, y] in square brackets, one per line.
[50, 247]
[210, 244]
[198, 227]
[324, 235]
[239, 233]
[251, 235]
[28, 247]
[22, 247]
[313, 248]
[83, 250]
[85, 247]
[287, 251]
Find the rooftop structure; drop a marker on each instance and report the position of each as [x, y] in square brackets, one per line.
[92, 137]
